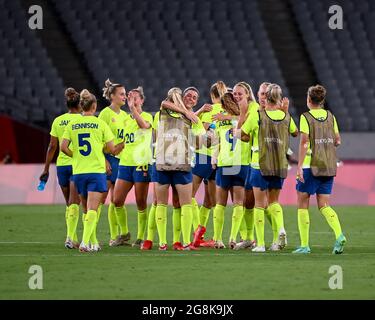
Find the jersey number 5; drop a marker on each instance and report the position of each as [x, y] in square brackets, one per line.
[82, 142]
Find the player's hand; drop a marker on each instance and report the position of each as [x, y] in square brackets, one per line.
[108, 168]
[44, 173]
[218, 117]
[191, 116]
[285, 105]
[300, 174]
[206, 107]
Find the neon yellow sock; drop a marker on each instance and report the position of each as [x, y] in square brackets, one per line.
[151, 223]
[142, 221]
[195, 212]
[219, 212]
[161, 223]
[277, 213]
[186, 222]
[204, 214]
[112, 221]
[236, 221]
[259, 225]
[176, 222]
[248, 217]
[89, 225]
[332, 219]
[304, 226]
[93, 238]
[122, 219]
[72, 221]
[243, 229]
[66, 220]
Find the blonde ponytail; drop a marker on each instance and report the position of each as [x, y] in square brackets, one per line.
[86, 100]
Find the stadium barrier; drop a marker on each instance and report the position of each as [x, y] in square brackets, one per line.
[354, 185]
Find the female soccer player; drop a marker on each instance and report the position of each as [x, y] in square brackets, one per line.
[202, 169]
[135, 161]
[173, 163]
[269, 132]
[87, 135]
[64, 166]
[115, 118]
[243, 95]
[232, 166]
[317, 167]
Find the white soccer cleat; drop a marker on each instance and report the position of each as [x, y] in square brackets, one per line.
[243, 245]
[274, 247]
[219, 245]
[84, 248]
[69, 243]
[232, 244]
[95, 248]
[282, 239]
[259, 249]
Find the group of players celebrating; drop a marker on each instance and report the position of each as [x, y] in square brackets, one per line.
[235, 145]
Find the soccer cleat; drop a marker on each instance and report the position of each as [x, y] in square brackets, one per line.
[207, 244]
[231, 244]
[69, 243]
[95, 248]
[259, 249]
[112, 243]
[146, 245]
[122, 240]
[302, 250]
[282, 239]
[75, 245]
[137, 243]
[198, 234]
[163, 247]
[274, 247]
[243, 245]
[177, 246]
[84, 248]
[219, 245]
[188, 247]
[339, 245]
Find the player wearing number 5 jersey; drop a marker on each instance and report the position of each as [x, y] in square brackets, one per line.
[64, 166]
[86, 136]
[134, 163]
[115, 118]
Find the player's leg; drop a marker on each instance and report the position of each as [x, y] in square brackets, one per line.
[260, 204]
[237, 215]
[333, 221]
[121, 190]
[73, 215]
[176, 219]
[277, 214]
[303, 222]
[184, 191]
[141, 193]
[162, 192]
[219, 212]
[197, 180]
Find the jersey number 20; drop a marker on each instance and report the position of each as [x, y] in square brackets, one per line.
[84, 144]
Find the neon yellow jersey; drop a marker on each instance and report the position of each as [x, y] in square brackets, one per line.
[251, 128]
[253, 112]
[206, 117]
[304, 127]
[57, 131]
[116, 122]
[232, 151]
[137, 151]
[87, 136]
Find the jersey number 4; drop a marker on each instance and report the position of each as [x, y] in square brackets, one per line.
[84, 144]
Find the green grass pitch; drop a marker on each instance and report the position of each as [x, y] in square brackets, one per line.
[34, 235]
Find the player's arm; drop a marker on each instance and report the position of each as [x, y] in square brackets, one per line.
[188, 114]
[205, 108]
[221, 117]
[65, 147]
[337, 140]
[52, 147]
[303, 146]
[112, 148]
[142, 123]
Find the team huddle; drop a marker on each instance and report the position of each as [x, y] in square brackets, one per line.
[235, 145]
